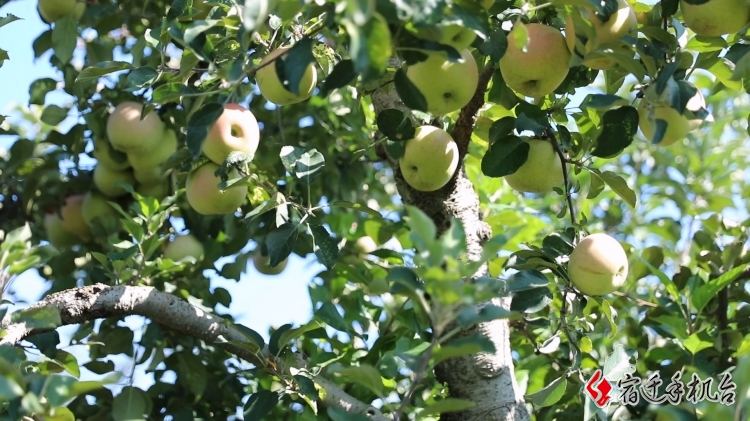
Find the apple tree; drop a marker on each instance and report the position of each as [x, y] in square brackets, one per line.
[492, 226]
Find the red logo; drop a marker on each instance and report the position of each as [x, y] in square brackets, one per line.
[598, 389]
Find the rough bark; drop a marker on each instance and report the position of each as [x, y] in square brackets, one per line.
[487, 379]
[98, 301]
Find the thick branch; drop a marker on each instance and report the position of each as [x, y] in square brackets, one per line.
[79, 305]
[468, 116]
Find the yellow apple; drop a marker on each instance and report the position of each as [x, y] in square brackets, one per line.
[105, 179]
[539, 68]
[716, 17]
[598, 265]
[542, 170]
[143, 162]
[53, 10]
[446, 86]
[204, 196]
[96, 205]
[109, 157]
[56, 233]
[678, 126]
[430, 159]
[365, 245]
[184, 246]
[457, 36]
[263, 265]
[235, 130]
[128, 133]
[272, 88]
[623, 22]
[72, 217]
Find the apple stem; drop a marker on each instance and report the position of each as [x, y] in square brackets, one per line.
[566, 178]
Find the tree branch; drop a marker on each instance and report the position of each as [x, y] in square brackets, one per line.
[566, 177]
[468, 116]
[79, 305]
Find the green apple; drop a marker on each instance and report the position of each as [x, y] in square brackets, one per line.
[108, 156]
[205, 197]
[457, 36]
[446, 86]
[105, 179]
[235, 130]
[143, 162]
[272, 88]
[263, 265]
[127, 132]
[684, 60]
[542, 170]
[598, 265]
[541, 66]
[430, 159]
[678, 125]
[149, 175]
[94, 206]
[487, 4]
[159, 190]
[72, 217]
[365, 245]
[623, 22]
[184, 246]
[715, 18]
[53, 10]
[57, 235]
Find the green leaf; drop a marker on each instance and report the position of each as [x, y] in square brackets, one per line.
[280, 243]
[395, 149]
[329, 314]
[254, 13]
[293, 65]
[723, 69]
[471, 316]
[9, 388]
[358, 207]
[369, 46]
[324, 246]
[170, 92]
[423, 230]
[9, 18]
[697, 342]
[446, 405]
[603, 101]
[277, 200]
[54, 115]
[395, 125]
[39, 89]
[710, 289]
[531, 300]
[64, 38]
[500, 93]
[338, 414]
[200, 124]
[703, 44]
[505, 156]
[618, 185]
[366, 375]
[619, 127]
[307, 387]
[495, 45]
[551, 394]
[262, 402]
[408, 92]
[469, 345]
[40, 318]
[129, 405]
[502, 128]
[309, 165]
[275, 344]
[526, 279]
[141, 77]
[343, 74]
[3, 56]
[100, 69]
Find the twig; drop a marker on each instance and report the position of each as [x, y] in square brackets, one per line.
[566, 178]
[636, 299]
[418, 377]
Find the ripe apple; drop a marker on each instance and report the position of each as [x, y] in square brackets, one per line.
[235, 130]
[204, 196]
[263, 265]
[430, 159]
[446, 86]
[598, 265]
[142, 162]
[541, 67]
[105, 179]
[457, 36]
[678, 126]
[53, 10]
[542, 170]
[56, 233]
[365, 245]
[159, 190]
[714, 18]
[72, 217]
[274, 90]
[184, 246]
[128, 133]
[109, 157]
[623, 22]
[94, 206]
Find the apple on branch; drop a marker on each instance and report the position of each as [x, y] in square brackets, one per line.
[542, 170]
[57, 235]
[105, 181]
[235, 130]
[106, 155]
[54, 10]
[653, 107]
[541, 65]
[598, 265]
[164, 148]
[205, 197]
[127, 132]
[446, 86]
[365, 245]
[430, 159]
[622, 22]
[714, 18]
[263, 264]
[455, 35]
[95, 206]
[72, 217]
[274, 90]
[184, 246]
